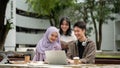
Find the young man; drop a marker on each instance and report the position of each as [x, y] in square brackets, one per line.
[83, 48]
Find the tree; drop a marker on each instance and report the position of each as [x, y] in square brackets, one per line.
[50, 8]
[100, 12]
[4, 28]
[95, 12]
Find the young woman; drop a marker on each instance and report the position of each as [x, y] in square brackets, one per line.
[50, 41]
[66, 34]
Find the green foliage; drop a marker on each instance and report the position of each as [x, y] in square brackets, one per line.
[9, 25]
[107, 56]
[51, 8]
[42, 6]
[89, 30]
[115, 5]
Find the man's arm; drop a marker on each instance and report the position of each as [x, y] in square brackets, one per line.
[89, 56]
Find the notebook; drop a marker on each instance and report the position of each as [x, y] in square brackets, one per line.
[57, 57]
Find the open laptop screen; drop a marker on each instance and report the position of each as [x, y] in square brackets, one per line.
[56, 57]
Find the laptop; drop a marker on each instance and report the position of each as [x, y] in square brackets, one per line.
[57, 57]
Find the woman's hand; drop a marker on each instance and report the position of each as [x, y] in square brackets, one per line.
[70, 61]
[57, 47]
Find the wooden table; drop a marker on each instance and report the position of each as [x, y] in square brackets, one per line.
[30, 65]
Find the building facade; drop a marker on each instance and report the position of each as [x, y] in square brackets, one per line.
[28, 29]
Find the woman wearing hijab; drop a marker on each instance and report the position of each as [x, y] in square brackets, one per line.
[50, 41]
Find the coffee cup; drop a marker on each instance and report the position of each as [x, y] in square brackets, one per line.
[76, 60]
[27, 58]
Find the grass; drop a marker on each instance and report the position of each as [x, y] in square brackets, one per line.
[108, 56]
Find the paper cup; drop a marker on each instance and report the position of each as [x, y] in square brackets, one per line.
[76, 60]
[27, 58]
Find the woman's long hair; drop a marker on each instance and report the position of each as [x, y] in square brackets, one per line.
[68, 33]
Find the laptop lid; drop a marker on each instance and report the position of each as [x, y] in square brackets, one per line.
[56, 57]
